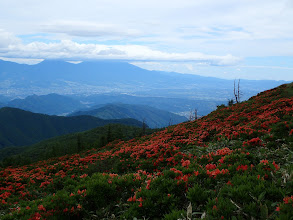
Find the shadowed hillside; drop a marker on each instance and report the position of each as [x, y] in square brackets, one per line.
[70, 143]
[19, 127]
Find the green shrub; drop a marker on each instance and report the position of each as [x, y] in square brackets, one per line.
[175, 215]
[198, 195]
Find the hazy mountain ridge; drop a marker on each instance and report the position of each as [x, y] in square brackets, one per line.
[53, 76]
[56, 104]
[92, 81]
[175, 105]
[153, 117]
[51, 104]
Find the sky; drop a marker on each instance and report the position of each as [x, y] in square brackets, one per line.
[227, 39]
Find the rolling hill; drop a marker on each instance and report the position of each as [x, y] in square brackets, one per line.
[19, 127]
[154, 118]
[235, 163]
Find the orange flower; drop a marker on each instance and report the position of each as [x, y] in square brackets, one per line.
[3, 201]
[242, 167]
[264, 162]
[229, 183]
[83, 176]
[196, 173]
[276, 165]
[41, 208]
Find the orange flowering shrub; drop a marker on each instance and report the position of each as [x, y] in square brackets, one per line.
[229, 163]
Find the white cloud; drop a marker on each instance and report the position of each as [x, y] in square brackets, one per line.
[201, 31]
[262, 19]
[7, 39]
[22, 60]
[88, 29]
[111, 51]
[67, 49]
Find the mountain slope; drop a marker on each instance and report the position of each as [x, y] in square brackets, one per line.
[154, 118]
[51, 104]
[235, 163]
[19, 127]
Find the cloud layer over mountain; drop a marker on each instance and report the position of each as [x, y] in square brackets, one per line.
[204, 31]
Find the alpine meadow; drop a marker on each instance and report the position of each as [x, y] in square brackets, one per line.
[235, 163]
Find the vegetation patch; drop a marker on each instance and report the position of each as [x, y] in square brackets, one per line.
[235, 163]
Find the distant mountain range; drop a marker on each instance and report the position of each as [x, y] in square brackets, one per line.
[97, 77]
[55, 104]
[153, 117]
[93, 83]
[181, 106]
[19, 127]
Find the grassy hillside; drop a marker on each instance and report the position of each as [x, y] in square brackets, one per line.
[155, 118]
[19, 127]
[235, 163]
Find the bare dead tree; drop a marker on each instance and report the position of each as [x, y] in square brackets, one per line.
[190, 116]
[170, 122]
[193, 115]
[237, 92]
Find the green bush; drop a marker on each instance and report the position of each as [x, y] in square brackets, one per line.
[198, 195]
[175, 215]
